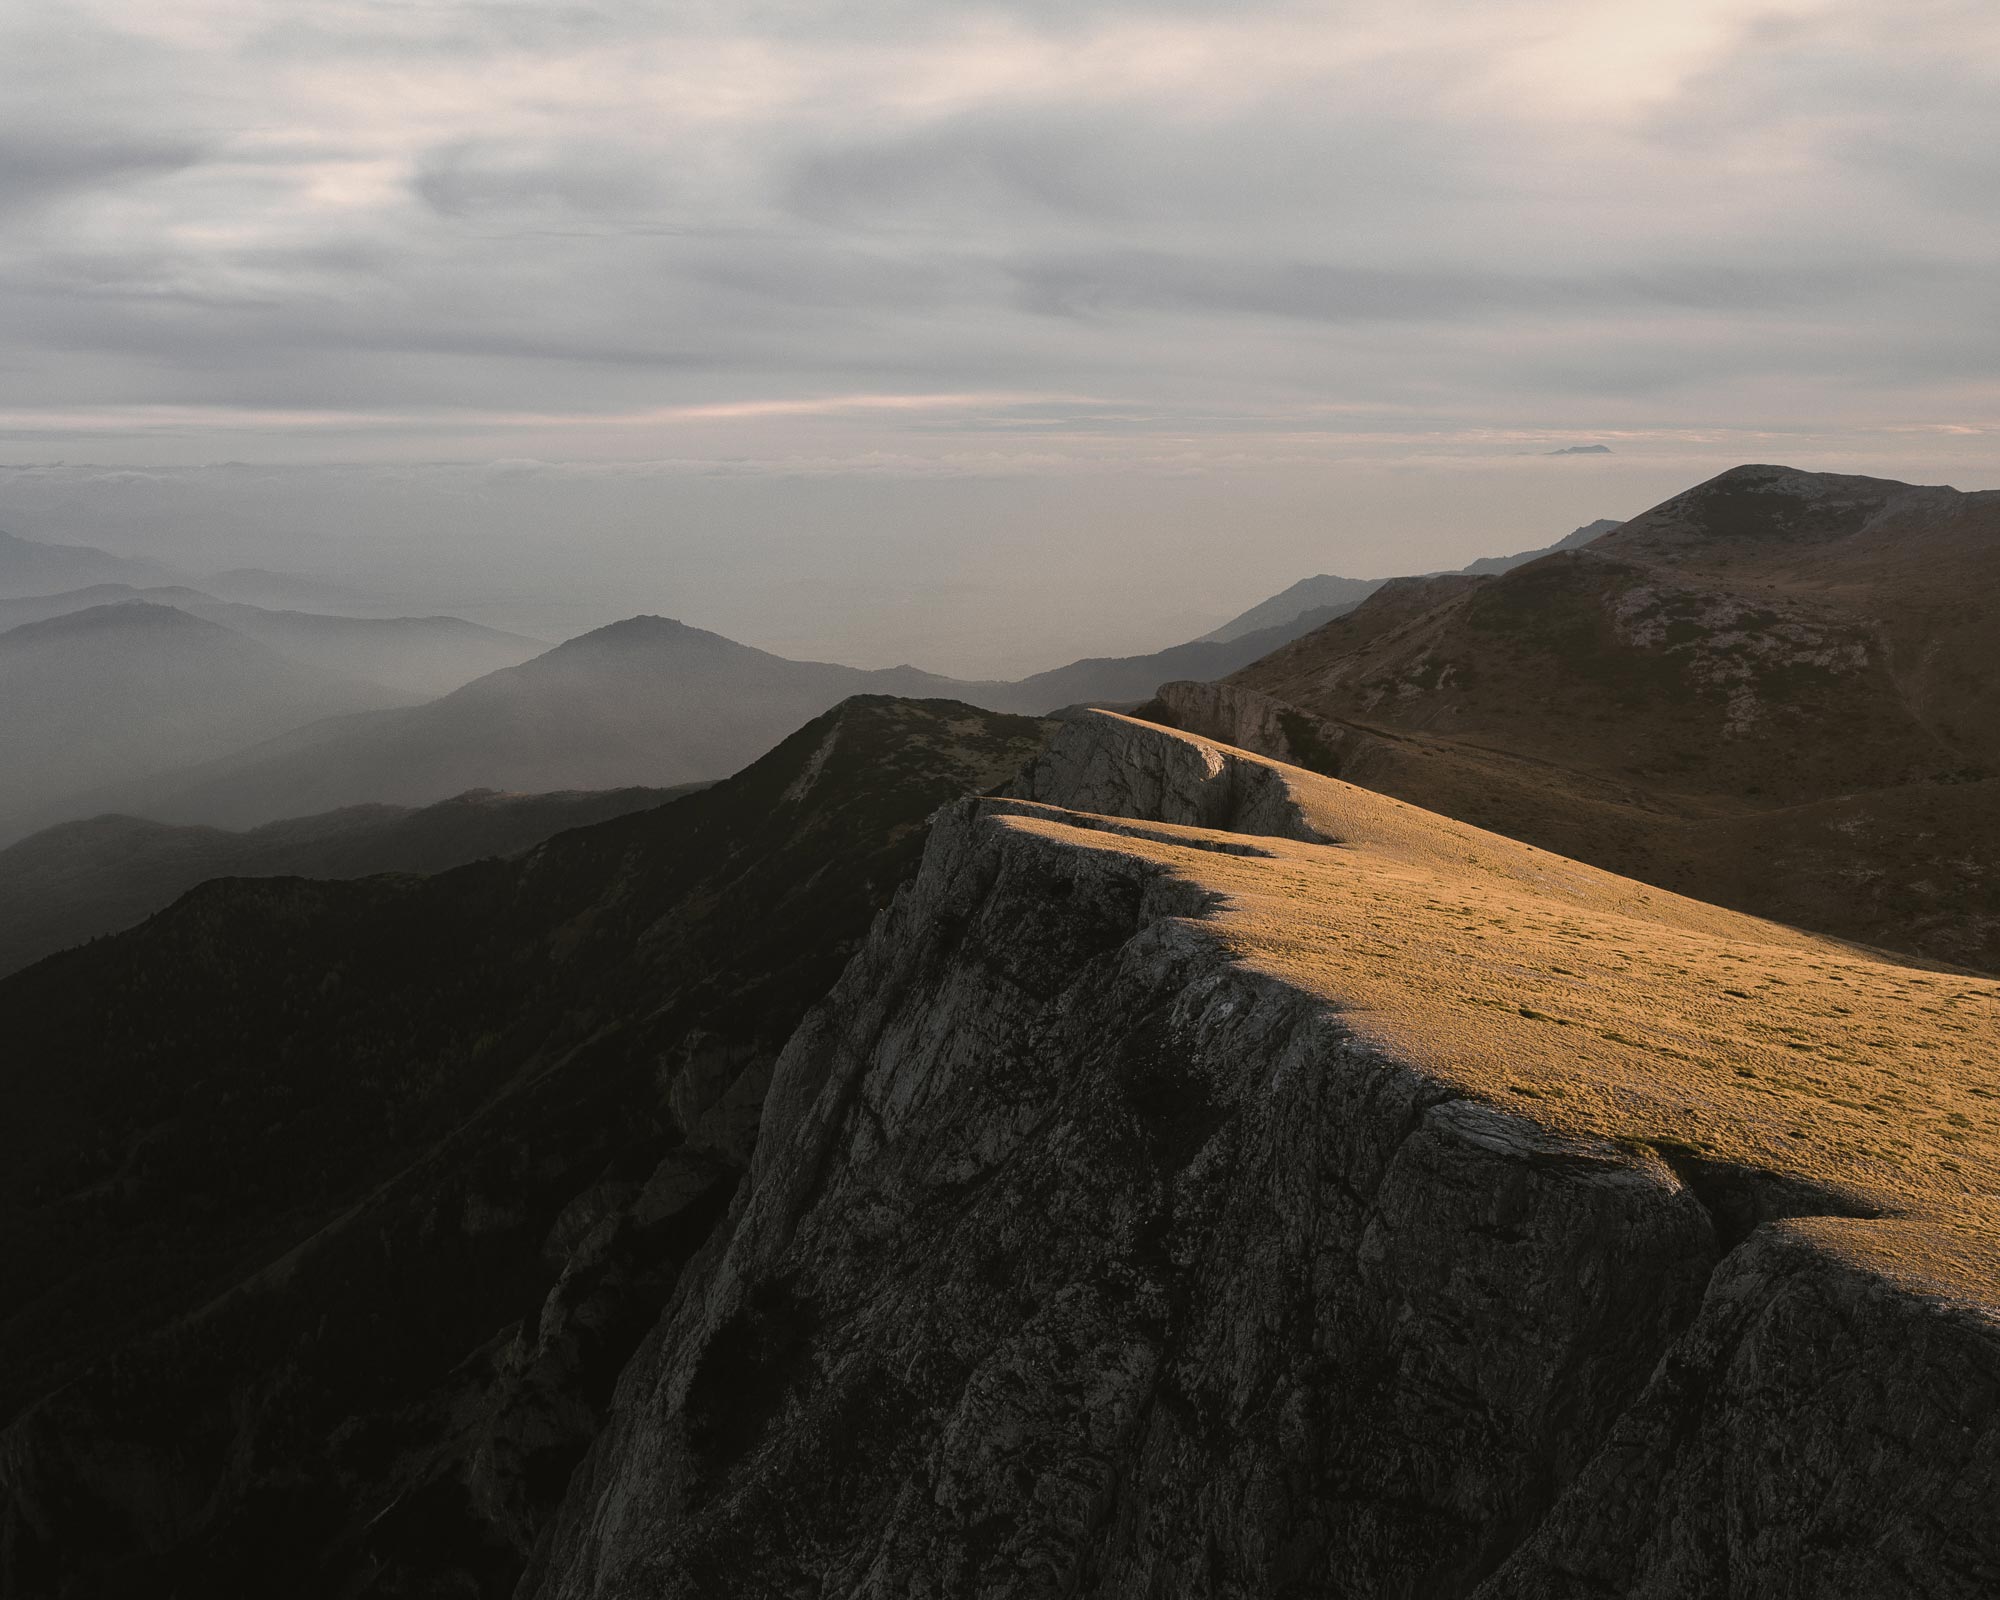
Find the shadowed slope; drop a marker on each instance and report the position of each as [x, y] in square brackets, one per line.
[1773, 665]
[1791, 635]
[77, 880]
[330, 1210]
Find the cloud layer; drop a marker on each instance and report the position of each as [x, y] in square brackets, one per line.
[506, 225]
[984, 335]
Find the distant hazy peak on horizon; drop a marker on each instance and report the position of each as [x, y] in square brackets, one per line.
[1334, 595]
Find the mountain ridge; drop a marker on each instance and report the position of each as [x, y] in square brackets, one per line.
[1767, 641]
[437, 750]
[1214, 1178]
[31, 566]
[99, 695]
[1326, 597]
[79, 880]
[422, 656]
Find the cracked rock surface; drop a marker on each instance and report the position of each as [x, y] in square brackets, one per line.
[1084, 1255]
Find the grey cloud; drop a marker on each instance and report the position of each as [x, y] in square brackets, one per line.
[1366, 236]
[1273, 167]
[987, 166]
[38, 168]
[1909, 95]
[1964, 177]
[1336, 292]
[455, 30]
[467, 179]
[1096, 284]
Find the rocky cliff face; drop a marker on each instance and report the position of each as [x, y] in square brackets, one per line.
[1084, 1253]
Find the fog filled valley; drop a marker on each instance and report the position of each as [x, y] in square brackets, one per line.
[1435, 1087]
[127, 708]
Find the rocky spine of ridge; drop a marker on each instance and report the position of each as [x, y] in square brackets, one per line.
[1078, 1258]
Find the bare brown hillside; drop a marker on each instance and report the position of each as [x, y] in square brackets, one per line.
[1779, 691]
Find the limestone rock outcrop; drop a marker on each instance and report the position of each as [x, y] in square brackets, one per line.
[1088, 1249]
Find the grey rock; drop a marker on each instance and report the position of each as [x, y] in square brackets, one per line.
[1077, 1259]
[1817, 1432]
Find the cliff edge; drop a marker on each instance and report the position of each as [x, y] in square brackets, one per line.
[1213, 1179]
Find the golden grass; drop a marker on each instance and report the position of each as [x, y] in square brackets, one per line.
[1601, 1006]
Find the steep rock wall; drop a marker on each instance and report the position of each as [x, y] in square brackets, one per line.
[1077, 1258]
[1237, 716]
[1819, 1431]
[1114, 769]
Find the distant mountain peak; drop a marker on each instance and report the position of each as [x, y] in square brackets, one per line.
[1763, 506]
[127, 616]
[1589, 533]
[1314, 601]
[1770, 476]
[643, 622]
[1325, 592]
[645, 626]
[37, 567]
[647, 633]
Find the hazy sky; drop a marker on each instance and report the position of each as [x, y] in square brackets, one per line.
[982, 334]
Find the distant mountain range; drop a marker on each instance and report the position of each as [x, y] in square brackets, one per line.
[1589, 533]
[1321, 599]
[290, 591]
[1731, 696]
[1122, 680]
[106, 694]
[415, 657]
[635, 707]
[78, 880]
[648, 702]
[30, 567]
[1779, 691]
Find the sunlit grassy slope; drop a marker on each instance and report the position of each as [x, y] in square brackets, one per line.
[1600, 1006]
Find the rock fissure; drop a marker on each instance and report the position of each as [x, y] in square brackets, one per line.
[1740, 1199]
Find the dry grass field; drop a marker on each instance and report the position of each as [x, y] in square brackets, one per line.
[1604, 1008]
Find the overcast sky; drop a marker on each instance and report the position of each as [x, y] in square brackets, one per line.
[971, 332]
